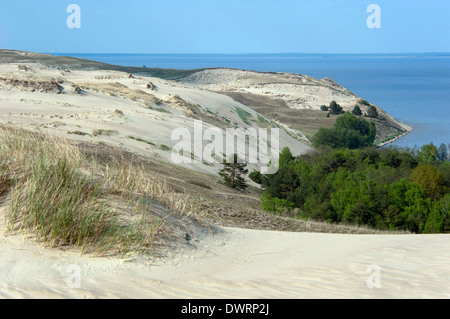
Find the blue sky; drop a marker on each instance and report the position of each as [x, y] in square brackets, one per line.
[233, 26]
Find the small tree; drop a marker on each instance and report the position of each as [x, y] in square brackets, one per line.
[324, 108]
[335, 108]
[442, 153]
[357, 111]
[372, 112]
[428, 153]
[285, 157]
[430, 179]
[232, 173]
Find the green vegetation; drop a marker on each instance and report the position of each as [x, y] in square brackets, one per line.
[385, 189]
[100, 132]
[52, 192]
[364, 102]
[357, 111]
[349, 131]
[256, 176]
[232, 173]
[372, 112]
[443, 154]
[324, 108]
[141, 140]
[78, 133]
[262, 122]
[165, 147]
[244, 115]
[335, 108]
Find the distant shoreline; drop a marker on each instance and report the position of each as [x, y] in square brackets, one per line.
[395, 139]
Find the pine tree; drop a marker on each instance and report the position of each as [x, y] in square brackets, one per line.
[442, 153]
[335, 108]
[428, 153]
[357, 111]
[232, 173]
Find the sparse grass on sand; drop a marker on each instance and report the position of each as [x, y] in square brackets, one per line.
[100, 132]
[50, 190]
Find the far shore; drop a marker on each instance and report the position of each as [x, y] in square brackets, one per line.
[395, 138]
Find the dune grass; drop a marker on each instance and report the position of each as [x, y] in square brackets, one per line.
[100, 132]
[64, 200]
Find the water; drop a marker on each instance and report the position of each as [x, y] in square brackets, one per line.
[413, 88]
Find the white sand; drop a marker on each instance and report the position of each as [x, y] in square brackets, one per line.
[297, 91]
[239, 264]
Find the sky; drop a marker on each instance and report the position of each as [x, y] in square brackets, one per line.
[229, 27]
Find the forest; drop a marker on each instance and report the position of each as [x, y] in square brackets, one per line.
[398, 189]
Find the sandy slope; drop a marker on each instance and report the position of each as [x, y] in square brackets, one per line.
[151, 115]
[296, 90]
[239, 264]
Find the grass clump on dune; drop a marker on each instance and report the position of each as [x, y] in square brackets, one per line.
[52, 192]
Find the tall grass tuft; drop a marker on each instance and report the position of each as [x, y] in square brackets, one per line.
[54, 197]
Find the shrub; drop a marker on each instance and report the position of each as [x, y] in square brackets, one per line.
[275, 204]
[372, 112]
[357, 111]
[348, 131]
[256, 176]
[335, 108]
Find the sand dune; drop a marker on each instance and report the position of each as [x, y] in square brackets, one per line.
[118, 103]
[237, 263]
[296, 90]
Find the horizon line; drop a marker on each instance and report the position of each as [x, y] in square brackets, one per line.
[254, 53]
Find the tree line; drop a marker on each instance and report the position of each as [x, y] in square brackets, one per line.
[389, 188]
[347, 180]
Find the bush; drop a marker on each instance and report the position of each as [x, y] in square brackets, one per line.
[275, 204]
[348, 131]
[256, 176]
[372, 112]
[357, 111]
[335, 108]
